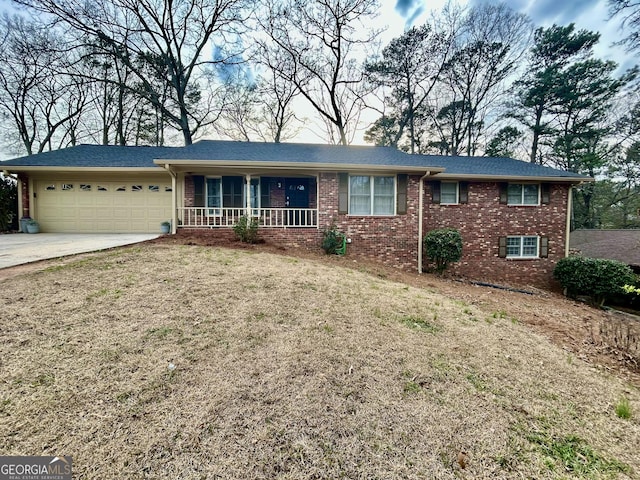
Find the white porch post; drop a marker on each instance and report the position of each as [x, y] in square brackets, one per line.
[248, 195]
[174, 199]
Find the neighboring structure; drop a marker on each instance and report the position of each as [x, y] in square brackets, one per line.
[513, 215]
[621, 245]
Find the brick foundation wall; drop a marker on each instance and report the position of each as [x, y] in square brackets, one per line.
[483, 220]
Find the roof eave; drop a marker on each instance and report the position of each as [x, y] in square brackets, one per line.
[37, 168]
[320, 166]
[512, 178]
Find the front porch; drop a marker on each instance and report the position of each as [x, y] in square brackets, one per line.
[219, 201]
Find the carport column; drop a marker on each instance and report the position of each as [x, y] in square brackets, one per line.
[23, 195]
[248, 195]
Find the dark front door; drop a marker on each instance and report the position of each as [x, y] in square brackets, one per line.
[296, 196]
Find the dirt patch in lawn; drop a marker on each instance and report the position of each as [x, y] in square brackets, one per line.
[182, 361]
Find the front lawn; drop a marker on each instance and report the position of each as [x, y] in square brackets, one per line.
[172, 361]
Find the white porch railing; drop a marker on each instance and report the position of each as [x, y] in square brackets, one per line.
[205, 217]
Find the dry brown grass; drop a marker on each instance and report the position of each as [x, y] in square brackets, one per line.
[290, 368]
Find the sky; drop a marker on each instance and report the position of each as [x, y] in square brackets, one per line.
[586, 14]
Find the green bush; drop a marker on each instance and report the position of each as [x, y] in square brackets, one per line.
[443, 246]
[246, 229]
[331, 240]
[8, 203]
[598, 278]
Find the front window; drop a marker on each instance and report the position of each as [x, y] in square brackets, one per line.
[522, 247]
[523, 194]
[214, 196]
[449, 193]
[255, 196]
[372, 195]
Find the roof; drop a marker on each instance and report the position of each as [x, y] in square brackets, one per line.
[93, 156]
[621, 245]
[292, 155]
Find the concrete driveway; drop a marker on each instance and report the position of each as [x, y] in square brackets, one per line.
[19, 248]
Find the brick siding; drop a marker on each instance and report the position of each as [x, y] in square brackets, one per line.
[482, 221]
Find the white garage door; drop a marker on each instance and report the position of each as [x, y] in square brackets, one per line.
[72, 205]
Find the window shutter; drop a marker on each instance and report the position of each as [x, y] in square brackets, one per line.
[545, 196]
[504, 197]
[463, 190]
[544, 247]
[435, 192]
[198, 191]
[502, 251]
[343, 193]
[401, 199]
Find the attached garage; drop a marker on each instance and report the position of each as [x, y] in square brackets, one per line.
[102, 204]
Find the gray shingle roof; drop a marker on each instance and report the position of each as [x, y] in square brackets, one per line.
[300, 153]
[93, 156]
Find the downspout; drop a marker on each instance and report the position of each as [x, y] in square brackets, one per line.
[421, 218]
[567, 232]
[174, 199]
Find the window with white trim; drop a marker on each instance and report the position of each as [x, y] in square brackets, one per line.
[523, 194]
[522, 247]
[372, 195]
[214, 196]
[449, 193]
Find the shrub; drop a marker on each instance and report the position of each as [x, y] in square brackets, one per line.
[596, 277]
[331, 240]
[443, 246]
[246, 229]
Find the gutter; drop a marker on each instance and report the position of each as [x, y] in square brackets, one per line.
[421, 218]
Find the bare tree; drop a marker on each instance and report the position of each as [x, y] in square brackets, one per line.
[318, 42]
[157, 39]
[42, 101]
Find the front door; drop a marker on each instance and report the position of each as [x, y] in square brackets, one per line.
[297, 196]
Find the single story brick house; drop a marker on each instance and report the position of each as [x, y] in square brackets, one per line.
[513, 216]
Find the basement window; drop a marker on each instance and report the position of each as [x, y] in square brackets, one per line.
[522, 247]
